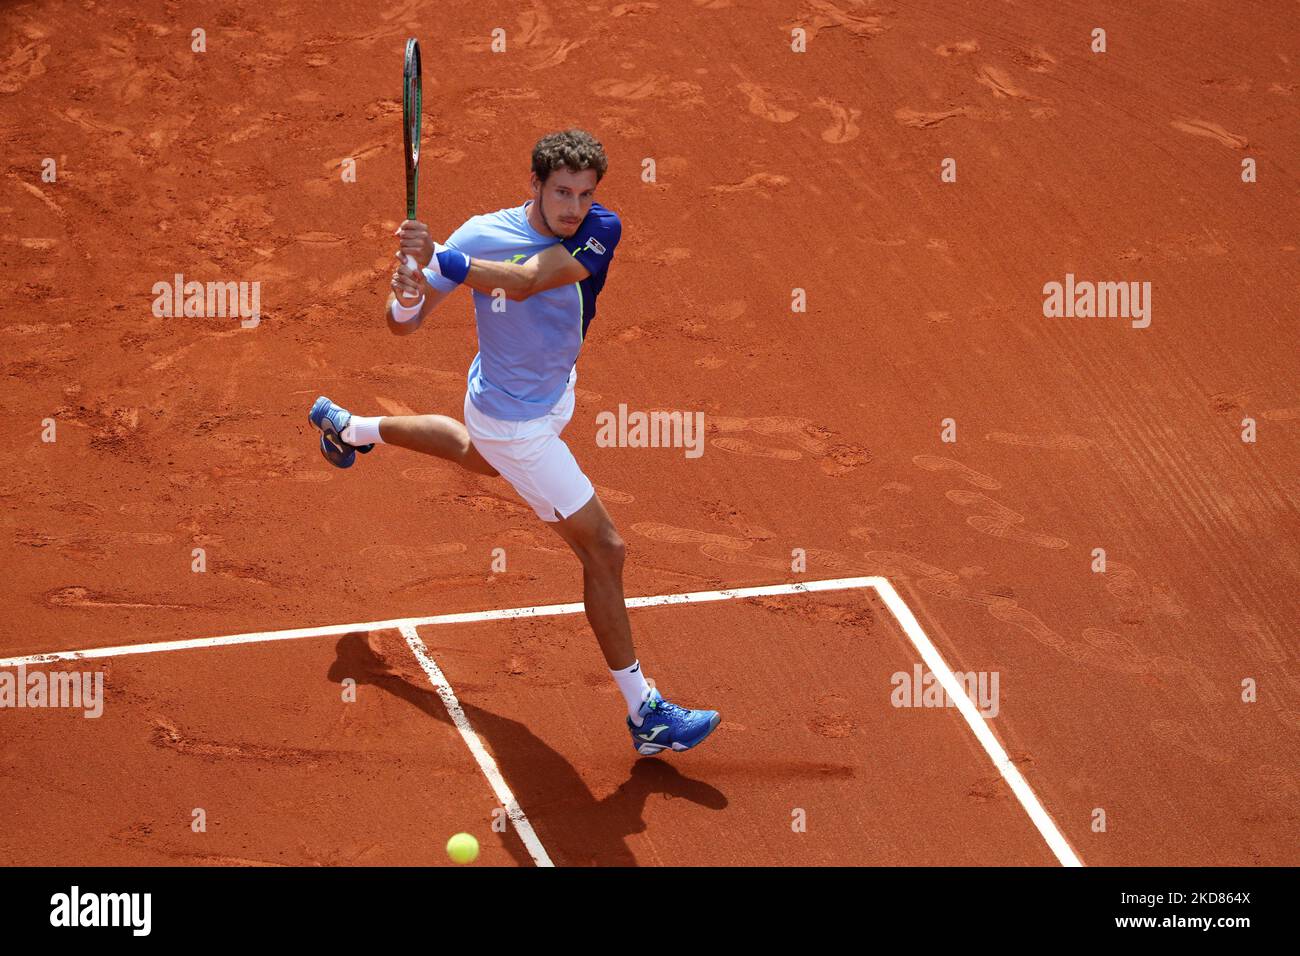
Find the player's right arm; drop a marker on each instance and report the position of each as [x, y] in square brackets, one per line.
[409, 287]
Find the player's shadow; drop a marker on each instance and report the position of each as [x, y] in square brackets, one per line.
[575, 827]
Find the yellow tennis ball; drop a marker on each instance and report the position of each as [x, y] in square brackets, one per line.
[462, 848]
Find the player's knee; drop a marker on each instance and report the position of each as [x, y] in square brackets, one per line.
[611, 551]
[468, 457]
[602, 552]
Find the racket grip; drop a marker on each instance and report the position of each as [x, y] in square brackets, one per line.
[414, 267]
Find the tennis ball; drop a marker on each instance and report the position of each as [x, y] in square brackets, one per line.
[462, 848]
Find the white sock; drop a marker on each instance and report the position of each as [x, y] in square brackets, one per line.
[362, 431]
[635, 689]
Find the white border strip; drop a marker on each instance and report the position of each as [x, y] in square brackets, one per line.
[988, 740]
[485, 761]
[907, 621]
[469, 617]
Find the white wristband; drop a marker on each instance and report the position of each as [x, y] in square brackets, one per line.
[405, 313]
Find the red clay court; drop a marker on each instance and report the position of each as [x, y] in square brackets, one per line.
[947, 460]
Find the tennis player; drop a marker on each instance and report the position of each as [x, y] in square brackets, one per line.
[535, 271]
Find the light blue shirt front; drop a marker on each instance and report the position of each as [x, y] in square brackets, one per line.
[528, 349]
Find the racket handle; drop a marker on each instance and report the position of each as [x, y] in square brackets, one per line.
[414, 267]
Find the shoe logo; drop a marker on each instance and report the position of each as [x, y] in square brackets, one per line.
[654, 733]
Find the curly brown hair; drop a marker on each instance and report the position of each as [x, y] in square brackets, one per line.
[573, 148]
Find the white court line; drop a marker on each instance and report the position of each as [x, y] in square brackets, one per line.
[485, 761]
[1041, 819]
[988, 740]
[468, 617]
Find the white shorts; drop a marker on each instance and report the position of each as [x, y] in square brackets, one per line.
[532, 456]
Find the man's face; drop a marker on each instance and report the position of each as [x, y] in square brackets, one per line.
[565, 198]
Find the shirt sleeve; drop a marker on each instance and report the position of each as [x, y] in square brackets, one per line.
[593, 244]
[457, 240]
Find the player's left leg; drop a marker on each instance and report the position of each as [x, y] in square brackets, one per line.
[590, 532]
[655, 724]
[533, 457]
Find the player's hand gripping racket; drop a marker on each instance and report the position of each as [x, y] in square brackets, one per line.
[411, 98]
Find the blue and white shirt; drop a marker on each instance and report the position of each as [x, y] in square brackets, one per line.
[527, 351]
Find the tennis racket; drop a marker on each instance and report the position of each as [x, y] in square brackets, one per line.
[411, 98]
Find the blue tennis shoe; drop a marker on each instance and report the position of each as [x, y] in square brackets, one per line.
[331, 420]
[666, 726]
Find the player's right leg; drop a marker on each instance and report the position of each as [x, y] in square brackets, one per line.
[344, 434]
[435, 435]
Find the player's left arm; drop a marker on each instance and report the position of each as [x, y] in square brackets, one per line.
[519, 280]
[570, 260]
[552, 267]
[586, 253]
